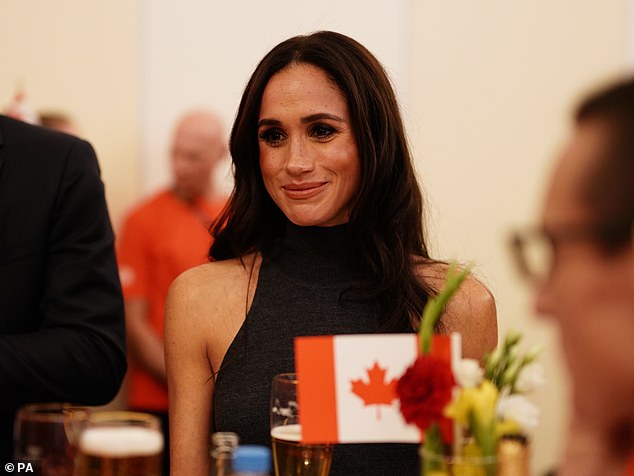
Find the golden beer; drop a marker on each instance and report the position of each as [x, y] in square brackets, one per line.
[293, 458]
[119, 451]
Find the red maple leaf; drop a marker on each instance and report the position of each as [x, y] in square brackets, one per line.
[377, 391]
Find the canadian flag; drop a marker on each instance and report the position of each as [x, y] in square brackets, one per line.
[347, 385]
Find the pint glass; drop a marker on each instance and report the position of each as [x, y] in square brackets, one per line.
[290, 456]
[120, 443]
[44, 439]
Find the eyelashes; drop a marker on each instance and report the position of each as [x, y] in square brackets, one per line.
[275, 136]
[322, 131]
[272, 136]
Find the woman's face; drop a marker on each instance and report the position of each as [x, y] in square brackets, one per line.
[308, 152]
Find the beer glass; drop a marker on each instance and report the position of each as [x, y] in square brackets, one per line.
[291, 457]
[43, 439]
[120, 443]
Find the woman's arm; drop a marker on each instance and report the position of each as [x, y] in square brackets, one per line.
[189, 375]
[204, 310]
[472, 313]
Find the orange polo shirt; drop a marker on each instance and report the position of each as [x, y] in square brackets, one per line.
[160, 239]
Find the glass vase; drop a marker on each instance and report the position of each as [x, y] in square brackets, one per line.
[512, 459]
[464, 464]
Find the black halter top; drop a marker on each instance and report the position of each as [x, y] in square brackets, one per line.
[306, 286]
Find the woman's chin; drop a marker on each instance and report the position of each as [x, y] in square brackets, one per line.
[307, 221]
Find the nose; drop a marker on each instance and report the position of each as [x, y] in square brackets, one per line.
[300, 157]
[180, 164]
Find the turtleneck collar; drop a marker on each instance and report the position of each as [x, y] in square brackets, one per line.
[317, 255]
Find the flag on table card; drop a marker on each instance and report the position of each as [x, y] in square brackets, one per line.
[347, 385]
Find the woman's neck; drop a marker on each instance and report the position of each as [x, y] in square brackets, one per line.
[324, 255]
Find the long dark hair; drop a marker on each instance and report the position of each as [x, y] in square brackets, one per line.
[386, 221]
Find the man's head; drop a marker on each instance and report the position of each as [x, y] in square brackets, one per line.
[198, 145]
[588, 218]
[59, 121]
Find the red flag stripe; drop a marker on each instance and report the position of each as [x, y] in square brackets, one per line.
[441, 347]
[316, 396]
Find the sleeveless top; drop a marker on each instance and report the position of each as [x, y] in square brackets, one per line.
[305, 287]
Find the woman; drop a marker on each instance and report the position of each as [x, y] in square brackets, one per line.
[323, 234]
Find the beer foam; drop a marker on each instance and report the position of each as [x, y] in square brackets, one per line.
[287, 432]
[120, 442]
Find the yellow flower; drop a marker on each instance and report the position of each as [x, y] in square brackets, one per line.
[507, 427]
[484, 402]
[460, 408]
[475, 409]
[477, 403]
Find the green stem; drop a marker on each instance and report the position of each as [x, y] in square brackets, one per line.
[436, 305]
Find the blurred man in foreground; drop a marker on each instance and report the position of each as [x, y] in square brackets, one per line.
[587, 285]
[161, 238]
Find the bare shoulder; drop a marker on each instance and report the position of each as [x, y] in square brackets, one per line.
[216, 288]
[208, 302]
[471, 311]
[209, 280]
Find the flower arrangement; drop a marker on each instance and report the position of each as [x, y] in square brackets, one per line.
[464, 409]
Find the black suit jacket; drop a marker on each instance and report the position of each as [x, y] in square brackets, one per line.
[61, 310]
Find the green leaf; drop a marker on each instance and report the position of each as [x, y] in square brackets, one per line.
[436, 305]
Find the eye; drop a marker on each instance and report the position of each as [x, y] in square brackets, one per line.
[322, 131]
[272, 136]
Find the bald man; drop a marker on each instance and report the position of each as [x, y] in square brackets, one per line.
[161, 238]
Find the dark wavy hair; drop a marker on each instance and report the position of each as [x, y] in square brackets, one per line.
[386, 222]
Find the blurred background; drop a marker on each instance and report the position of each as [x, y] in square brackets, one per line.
[486, 89]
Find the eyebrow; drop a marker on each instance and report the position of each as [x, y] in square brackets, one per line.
[305, 120]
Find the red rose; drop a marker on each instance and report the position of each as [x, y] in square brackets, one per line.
[424, 390]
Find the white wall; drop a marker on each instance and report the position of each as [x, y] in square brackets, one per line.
[198, 53]
[493, 83]
[628, 20]
[81, 58]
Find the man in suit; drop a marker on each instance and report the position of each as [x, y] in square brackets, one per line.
[61, 310]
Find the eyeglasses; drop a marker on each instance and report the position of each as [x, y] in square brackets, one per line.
[533, 249]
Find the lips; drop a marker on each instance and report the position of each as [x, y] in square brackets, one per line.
[303, 191]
